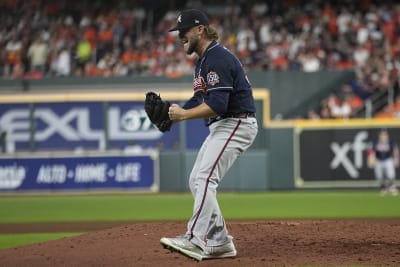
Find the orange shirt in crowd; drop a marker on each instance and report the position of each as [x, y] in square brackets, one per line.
[126, 57]
[106, 35]
[91, 35]
[173, 74]
[387, 112]
[280, 62]
[355, 102]
[384, 115]
[91, 70]
[345, 65]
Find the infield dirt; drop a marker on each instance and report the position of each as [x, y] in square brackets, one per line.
[361, 242]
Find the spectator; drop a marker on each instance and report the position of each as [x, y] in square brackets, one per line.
[361, 55]
[332, 35]
[13, 52]
[351, 99]
[325, 112]
[313, 115]
[83, 53]
[106, 64]
[309, 62]
[37, 53]
[338, 108]
[61, 63]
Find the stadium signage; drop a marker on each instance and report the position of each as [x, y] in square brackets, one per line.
[75, 125]
[79, 172]
[341, 154]
[134, 121]
[336, 156]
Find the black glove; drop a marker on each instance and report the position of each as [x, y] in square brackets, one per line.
[157, 111]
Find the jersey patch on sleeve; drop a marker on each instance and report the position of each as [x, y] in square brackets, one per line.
[212, 78]
[199, 84]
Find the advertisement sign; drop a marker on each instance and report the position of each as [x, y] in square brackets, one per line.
[128, 124]
[15, 121]
[196, 133]
[89, 125]
[81, 125]
[337, 156]
[59, 124]
[101, 120]
[56, 173]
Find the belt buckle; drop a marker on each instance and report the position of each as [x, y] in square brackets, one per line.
[244, 115]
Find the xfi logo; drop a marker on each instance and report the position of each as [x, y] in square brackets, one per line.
[341, 154]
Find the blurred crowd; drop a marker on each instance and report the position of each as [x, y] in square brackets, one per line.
[120, 38]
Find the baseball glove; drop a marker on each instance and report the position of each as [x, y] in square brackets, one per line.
[157, 111]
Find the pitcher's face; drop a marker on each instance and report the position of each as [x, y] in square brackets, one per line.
[190, 40]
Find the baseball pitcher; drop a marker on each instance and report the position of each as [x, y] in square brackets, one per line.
[223, 97]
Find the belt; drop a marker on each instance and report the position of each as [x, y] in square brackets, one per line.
[237, 116]
[241, 115]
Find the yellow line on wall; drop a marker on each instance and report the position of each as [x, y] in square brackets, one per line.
[335, 123]
[264, 96]
[69, 97]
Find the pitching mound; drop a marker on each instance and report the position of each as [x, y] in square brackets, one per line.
[259, 243]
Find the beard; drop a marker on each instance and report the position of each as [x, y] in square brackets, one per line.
[193, 45]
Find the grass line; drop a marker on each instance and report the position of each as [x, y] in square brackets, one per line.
[144, 207]
[16, 240]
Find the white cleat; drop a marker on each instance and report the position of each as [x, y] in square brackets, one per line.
[183, 246]
[227, 250]
[190, 250]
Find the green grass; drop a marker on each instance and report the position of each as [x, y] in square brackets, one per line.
[94, 208]
[143, 207]
[16, 240]
[139, 207]
[321, 204]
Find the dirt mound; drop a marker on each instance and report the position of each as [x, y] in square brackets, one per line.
[259, 243]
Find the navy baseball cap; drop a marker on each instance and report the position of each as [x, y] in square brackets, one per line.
[190, 18]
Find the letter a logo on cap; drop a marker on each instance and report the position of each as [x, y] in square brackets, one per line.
[180, 18]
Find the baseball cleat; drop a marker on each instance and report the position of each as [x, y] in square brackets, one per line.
[190, 250]
[183, 246]
[227, 250]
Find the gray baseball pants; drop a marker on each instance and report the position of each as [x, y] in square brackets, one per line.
[228, 138]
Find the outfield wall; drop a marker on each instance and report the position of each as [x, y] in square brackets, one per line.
[327, 153]
[298, 155]
[75, 124]
[92, 140]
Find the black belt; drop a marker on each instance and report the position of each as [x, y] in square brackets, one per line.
[241, 115]
[237, 116]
